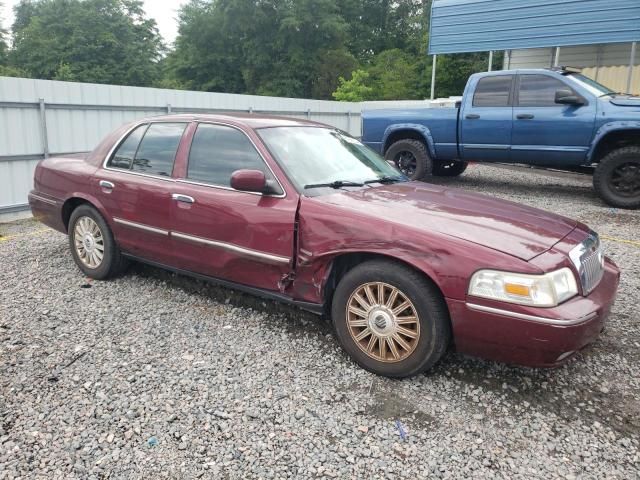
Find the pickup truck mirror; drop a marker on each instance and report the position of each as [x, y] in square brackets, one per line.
[568, 97]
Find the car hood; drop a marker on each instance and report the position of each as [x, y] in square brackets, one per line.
[517, 230]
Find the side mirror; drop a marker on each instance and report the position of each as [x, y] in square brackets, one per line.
[252, 181]
[567, 97]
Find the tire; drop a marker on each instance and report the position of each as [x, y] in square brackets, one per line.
[432, 324]
[411, 158]
[449, 169]
[88, 232]
[609, 181]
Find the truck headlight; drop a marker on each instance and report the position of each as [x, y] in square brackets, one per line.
[546, 290]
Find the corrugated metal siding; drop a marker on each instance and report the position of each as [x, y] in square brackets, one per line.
[482, 25]
[613, 59]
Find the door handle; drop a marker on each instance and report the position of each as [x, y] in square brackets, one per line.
[472, 116]
[107, 185]
[178, 197]
[525, 116]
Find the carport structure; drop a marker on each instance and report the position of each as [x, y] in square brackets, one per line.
[599, 35]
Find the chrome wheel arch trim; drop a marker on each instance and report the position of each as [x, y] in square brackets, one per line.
[141, 226]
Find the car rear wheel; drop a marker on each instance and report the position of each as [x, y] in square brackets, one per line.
[617, 178]
[390, 319]
[92, 244]
[449, 169]
[411, 158]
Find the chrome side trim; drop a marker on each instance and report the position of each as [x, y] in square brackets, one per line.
[265, 257]
[531, 318]
[141, 226]
[43, 199]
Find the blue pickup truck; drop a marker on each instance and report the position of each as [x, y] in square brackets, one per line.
[548, 117]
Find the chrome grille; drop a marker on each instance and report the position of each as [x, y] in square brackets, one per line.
[588, 258]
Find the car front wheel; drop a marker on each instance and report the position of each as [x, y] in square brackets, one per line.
[92, 244]
[390, 319]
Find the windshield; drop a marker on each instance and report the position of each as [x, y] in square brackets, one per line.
[594, 87]
[317, 159]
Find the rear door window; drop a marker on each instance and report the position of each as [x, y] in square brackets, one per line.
[493, 91]
[157, 151]
[123, 158]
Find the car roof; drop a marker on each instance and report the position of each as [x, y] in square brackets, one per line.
[250, 120]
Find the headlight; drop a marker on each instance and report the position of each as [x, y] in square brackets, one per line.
[546, 290]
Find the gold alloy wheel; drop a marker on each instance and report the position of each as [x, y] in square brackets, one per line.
[383, 322]
[89, 242]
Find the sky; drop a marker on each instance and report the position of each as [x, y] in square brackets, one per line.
[165, 13]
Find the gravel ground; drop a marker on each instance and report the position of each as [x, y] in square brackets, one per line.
[159, 376]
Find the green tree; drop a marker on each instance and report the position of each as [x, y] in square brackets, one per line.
[99, 41]
[395, 76]
[3, 42]
[354, 90]
[291, 48]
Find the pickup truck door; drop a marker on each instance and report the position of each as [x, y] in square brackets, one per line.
[241, 237]
[544, 132]
[486, 119]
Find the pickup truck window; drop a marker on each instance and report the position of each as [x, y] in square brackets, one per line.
[539, 91]
[493, 91]
[157, 151]
[218, 151]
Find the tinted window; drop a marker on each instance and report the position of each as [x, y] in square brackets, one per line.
[218, 151]
[158, 148]
[539, 91]
[493, 91]
[127, 150]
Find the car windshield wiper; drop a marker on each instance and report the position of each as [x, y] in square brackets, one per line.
[385, 180]
[335, 184]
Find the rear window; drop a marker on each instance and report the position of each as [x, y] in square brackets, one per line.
[157, 151]
[123, 158]
[493, 91]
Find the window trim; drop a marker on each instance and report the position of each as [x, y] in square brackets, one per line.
[510, 98]
[188, 181]
[516, 102]
[122, 139]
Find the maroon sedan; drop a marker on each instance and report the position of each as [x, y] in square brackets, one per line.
[303, 213]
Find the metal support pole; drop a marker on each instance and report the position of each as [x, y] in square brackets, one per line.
[309, 113]
[490, 60]
[433, 77]
[250, 110]
[632, 61]
[509, 59]
[169, 109]
[349, 121]
[556, 60]
[598, 62]
[553, 60]
[43, 128]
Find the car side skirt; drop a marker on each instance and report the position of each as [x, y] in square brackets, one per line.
[315, 308]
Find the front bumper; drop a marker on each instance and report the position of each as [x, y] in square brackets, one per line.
[529, 336]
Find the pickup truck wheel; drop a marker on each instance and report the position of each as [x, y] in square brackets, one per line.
[390, 319]
[617, 178]
[411, 158]
[449, 169]
[93, 246]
